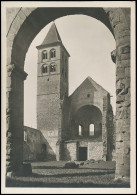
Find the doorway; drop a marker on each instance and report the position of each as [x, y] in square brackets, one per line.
[82, 153]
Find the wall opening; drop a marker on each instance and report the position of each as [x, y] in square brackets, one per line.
[83, 153]
[80, 130]
[91, 130]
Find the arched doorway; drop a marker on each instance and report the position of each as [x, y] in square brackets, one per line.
[22, 30]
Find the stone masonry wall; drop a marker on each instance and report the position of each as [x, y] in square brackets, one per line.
[120, 22]
[70, 151]
[95, 150]
[32, 146]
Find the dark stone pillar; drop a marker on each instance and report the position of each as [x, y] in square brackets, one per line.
[123, 113]
[122, 60]
[120, 22]
[104, 127]
[14, 117]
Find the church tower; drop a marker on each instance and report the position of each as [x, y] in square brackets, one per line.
[52, 89]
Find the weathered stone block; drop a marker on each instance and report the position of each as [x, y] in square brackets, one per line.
[119, 137]
[27, 11]
[121, 27]
[119, 34]
[119, 145]
[125, 56]
[120, 98]
[124, 170]
[127, 96]
[124, 113]
[125, 103]
[124, 40]
[9, 151]
[127, 81]
[8, 162]
[126, 159]
[127, 72]
[124, 49]
[8, 157]
[119, 159]
[120, 84]
[120, 73]
[119, 105]
[127, 147]
[10, 174]
[123, 63]
[22, 16]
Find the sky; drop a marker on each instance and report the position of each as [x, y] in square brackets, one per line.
[89, 43]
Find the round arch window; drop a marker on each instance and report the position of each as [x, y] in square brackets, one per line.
[52, 67]
[52, 53]
[44, 68]
[44, 55]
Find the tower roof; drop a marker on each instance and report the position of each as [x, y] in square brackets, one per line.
[52, 36]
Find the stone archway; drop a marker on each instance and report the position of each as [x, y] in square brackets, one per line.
[23, 24]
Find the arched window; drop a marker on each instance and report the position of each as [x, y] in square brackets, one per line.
[91, 129]
[44, 68]
[53, 67]
[44, 55]
[80, 130]
[52, 53]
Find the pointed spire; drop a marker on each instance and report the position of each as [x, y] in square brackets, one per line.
[52, 36]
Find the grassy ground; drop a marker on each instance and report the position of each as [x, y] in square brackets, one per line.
[53, 174]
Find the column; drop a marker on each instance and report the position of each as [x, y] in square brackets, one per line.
[14, 119]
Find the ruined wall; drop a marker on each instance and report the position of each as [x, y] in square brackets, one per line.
[110, 133]
[51, 138]
[90, 94]
[70, 150]
[95, 150]
[23, 26]
[32, 146]
[85, 116]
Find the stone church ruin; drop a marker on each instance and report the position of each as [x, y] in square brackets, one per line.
[23, 24]
[75, 127]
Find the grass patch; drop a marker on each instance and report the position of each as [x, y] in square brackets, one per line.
[52, 174]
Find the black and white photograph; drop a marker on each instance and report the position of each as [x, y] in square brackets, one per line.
[68, 97]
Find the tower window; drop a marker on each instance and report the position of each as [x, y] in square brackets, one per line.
[44, 68]
[53, 67]
[80, 130]
[44, 55]
[91, 129]
[52, 53]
